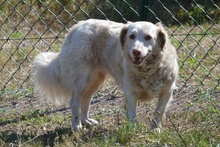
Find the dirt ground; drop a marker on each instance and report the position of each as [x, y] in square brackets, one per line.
[108, 101]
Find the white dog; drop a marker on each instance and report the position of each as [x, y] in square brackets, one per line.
[137, 55]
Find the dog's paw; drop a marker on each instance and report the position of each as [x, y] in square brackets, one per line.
[156, 130]
[93, 122]
[77, 128]
[89, 122]
[156, 127]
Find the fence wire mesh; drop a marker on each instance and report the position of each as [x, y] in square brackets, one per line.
[30, 27]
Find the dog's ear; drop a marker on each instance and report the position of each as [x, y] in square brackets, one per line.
[122, 36]
[161, 36]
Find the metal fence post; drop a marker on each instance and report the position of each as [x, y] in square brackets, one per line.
[144, 10]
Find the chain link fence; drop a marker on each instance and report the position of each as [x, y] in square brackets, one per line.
[30, 27]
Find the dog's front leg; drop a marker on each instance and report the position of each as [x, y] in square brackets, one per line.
[75, 104]
[131, 108]
[159, 113]
[130, 103]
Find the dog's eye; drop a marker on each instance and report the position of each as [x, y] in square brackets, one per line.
[147, 37]
[132, 36]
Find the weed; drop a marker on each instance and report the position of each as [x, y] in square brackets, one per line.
[195, 124]
[16, 35]
[183, 129]
[23, 92]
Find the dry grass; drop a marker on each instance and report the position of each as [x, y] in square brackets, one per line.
[192, 120]
[27, 120]
[198, 54]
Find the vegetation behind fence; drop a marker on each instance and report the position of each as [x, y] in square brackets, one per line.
[30, 27]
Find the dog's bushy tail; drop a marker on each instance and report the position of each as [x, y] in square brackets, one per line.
[46, 72]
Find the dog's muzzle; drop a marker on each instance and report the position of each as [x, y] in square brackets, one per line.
[137, 60]
[137, 57]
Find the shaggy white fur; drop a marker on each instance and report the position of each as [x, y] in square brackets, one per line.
[137, 55]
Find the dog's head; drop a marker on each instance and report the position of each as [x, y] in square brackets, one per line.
[140, 39]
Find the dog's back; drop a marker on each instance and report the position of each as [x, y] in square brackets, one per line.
[93, 45]
[88, 49]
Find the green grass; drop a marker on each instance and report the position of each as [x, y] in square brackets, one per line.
[197, 125]
[197, 54]
[194, 123]
[15, 94]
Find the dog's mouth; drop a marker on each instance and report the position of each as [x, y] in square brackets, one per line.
[138, 60]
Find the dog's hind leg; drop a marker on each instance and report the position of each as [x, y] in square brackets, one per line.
[94, 84]
[75, 108]
[80, 85]
[159, 113]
